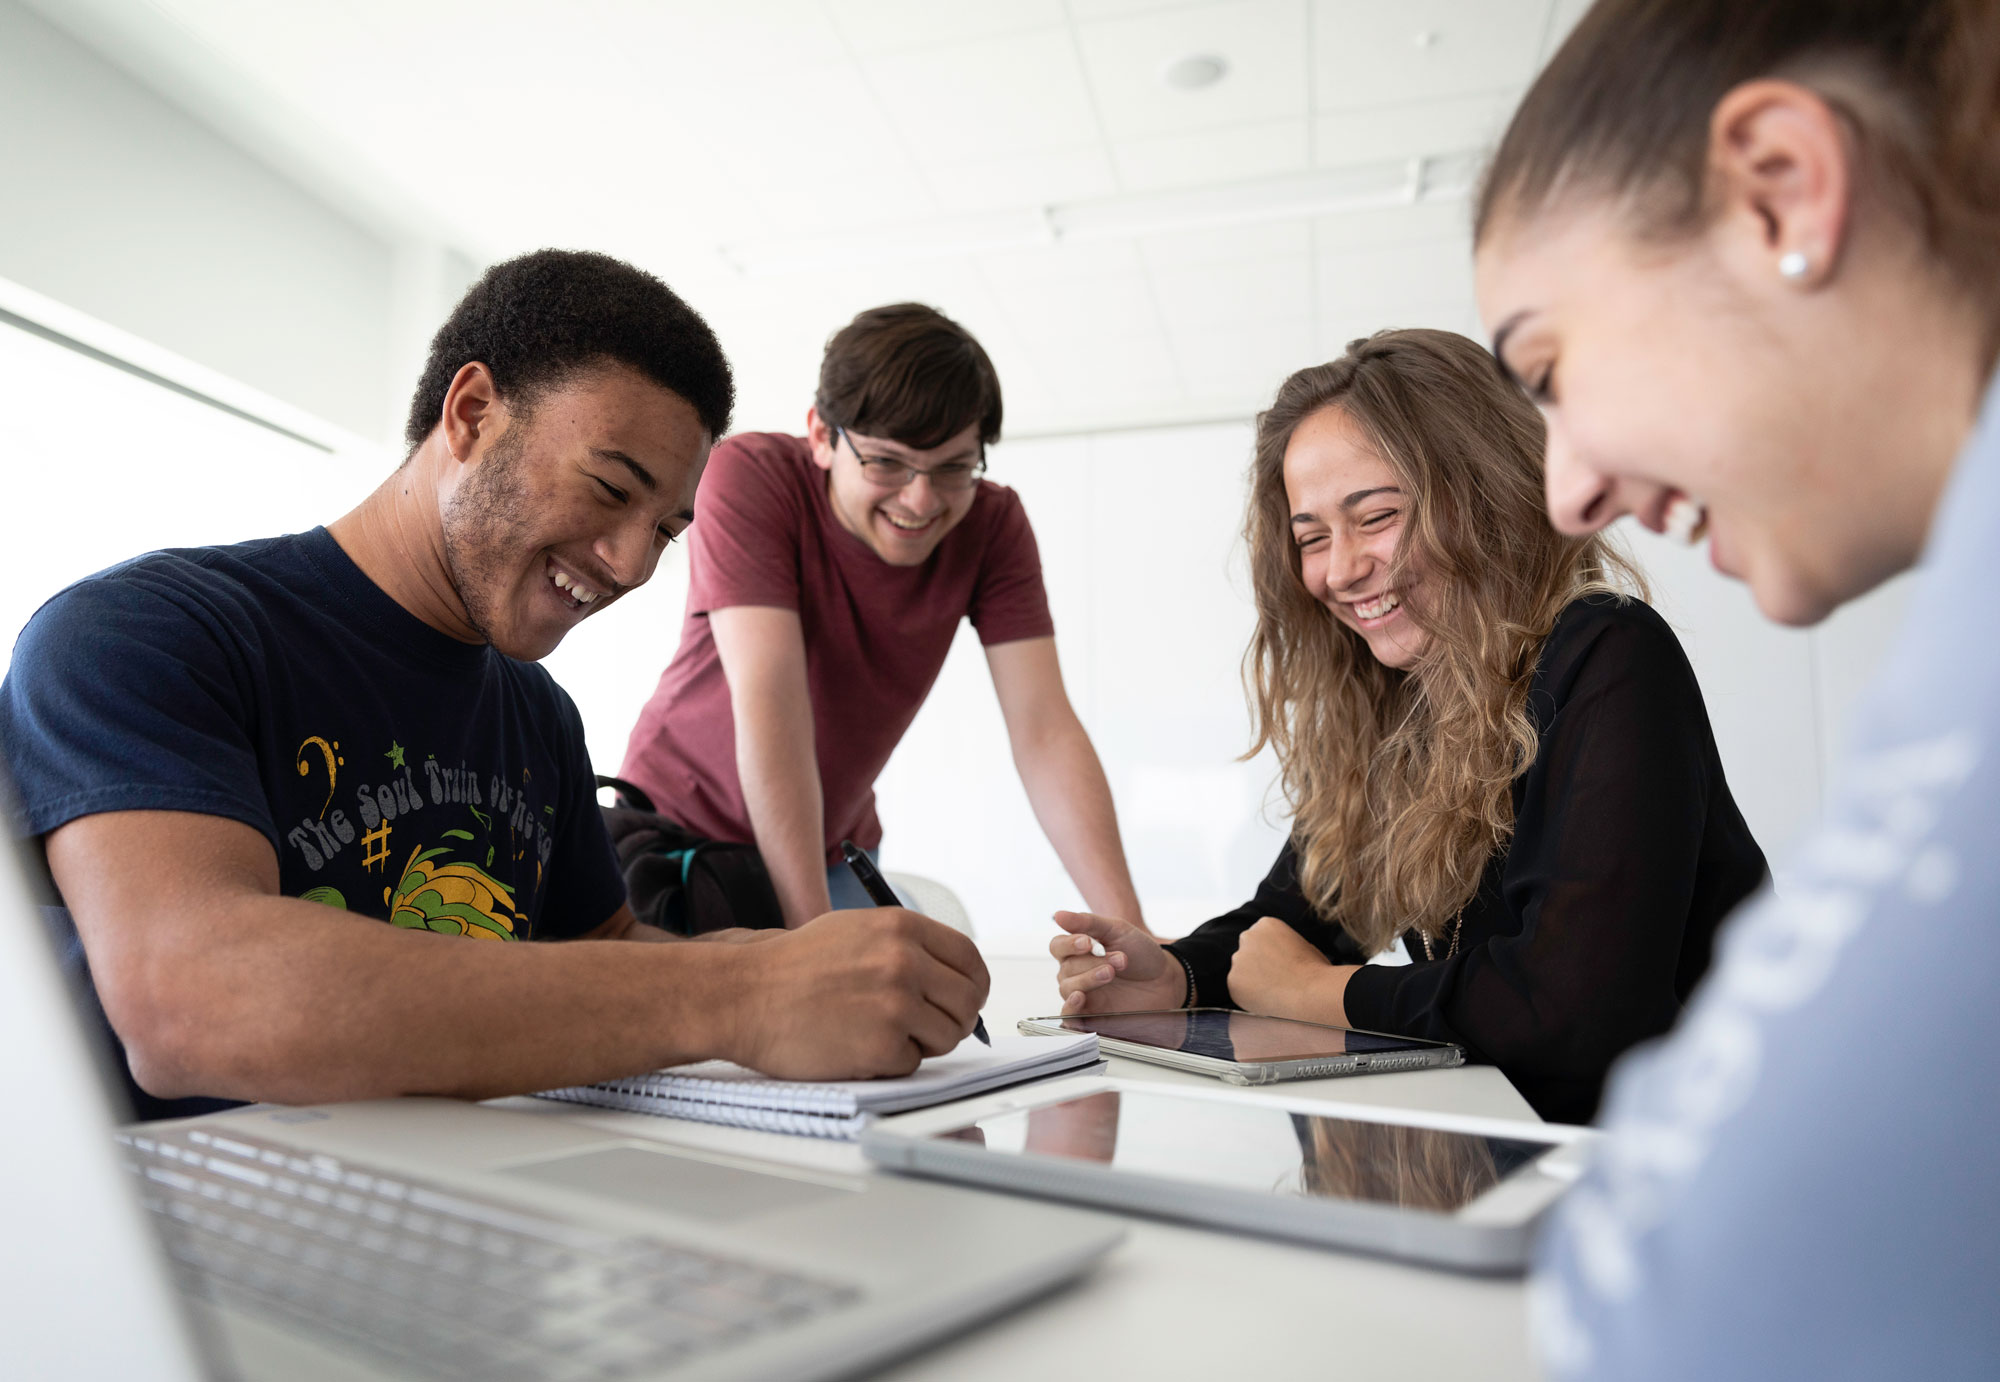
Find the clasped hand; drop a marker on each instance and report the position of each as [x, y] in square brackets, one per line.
[1275, 971]
[1133, 973]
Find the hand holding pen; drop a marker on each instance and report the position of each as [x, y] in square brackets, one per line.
[882, 895]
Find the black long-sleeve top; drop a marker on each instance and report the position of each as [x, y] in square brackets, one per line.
[1592, 925]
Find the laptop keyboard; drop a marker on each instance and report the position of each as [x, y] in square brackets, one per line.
[443, 1284]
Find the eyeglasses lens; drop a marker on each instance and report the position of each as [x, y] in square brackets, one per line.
[896, 475]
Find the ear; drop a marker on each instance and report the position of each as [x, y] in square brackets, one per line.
[473, 413]
[821, 438]
[1783, 173]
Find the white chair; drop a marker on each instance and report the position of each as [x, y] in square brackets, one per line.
[932, 898]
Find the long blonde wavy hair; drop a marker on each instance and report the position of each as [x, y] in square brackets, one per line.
[1398, 782]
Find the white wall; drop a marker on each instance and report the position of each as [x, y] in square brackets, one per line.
[611, 661]
[101, 466]
[115, 202]
[1152, 610]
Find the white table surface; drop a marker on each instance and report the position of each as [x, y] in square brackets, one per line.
[1185, 1302]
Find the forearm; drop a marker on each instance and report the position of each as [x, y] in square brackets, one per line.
[1318, 996]
[781, 791]
[299, 1005]
[1072, 802]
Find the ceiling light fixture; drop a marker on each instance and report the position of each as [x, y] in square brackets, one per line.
[1294, 196]
[1195, 72]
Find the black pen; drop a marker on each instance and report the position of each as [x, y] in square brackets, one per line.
[882, 895]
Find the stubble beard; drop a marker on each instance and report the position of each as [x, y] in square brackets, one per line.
[483, 524]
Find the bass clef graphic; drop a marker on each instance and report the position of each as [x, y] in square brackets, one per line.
[331, 753]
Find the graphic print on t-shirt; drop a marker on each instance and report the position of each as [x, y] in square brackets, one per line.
[457, 831]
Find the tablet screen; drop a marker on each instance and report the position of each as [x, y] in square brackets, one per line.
[1235, 1036]
[1259, 1148]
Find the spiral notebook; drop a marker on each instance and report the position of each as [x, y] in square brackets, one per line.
[720, 1092]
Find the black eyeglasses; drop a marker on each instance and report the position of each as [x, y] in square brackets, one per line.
[953, 477]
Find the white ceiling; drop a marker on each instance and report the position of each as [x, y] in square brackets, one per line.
[666, 131]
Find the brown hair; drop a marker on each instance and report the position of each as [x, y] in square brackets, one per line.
[1623, 111]
[911, 374]
[1392, 1163]
[1399, 782]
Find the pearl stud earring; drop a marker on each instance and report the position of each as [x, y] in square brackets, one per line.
[1793, 264]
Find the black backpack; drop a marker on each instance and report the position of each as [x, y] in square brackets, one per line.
[680, 882]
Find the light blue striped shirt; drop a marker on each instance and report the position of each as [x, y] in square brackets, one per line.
[1803, 1180]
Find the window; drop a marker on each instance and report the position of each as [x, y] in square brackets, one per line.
[100, 465]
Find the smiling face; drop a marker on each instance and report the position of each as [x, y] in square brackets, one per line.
[1791, 372]
[902, 526]
[1805, 432]
[1668, 396]
[565, 509]
[1348, 508]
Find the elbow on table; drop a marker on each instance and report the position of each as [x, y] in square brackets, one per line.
[167, 1053]
[180, 1043]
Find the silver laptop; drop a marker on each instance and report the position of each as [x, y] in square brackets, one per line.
[435, 1239]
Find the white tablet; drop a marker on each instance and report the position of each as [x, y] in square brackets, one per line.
[1457, 1192]
[1247, 1048]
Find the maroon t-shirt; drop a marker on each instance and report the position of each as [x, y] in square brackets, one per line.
[876, 635]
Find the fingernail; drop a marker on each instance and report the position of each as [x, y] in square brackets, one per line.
[1103, 975]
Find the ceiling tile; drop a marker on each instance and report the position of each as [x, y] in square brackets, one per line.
[889, 26]
[1017, 180]
[1368, 53]
[1002, 96]
[1411, 130]
[1384, 279]
[1251, 289]
[1104, 9]
[1072, 290]
[1388, 226]
[1225, 244]
[771, 127]
[1008, 270]
[1208, 156]
[1262, 41]
[823, 301]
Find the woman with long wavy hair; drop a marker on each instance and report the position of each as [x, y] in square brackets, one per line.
[1494, 751]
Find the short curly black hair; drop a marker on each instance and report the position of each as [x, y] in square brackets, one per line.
[538, 319]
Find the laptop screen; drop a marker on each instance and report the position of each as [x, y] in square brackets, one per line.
[96, 1298]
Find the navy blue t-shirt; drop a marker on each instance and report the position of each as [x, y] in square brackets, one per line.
[398, 773]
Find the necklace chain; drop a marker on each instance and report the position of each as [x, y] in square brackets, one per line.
[1457, 925]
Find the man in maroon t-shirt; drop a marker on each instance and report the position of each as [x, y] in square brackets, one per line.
[829, 573]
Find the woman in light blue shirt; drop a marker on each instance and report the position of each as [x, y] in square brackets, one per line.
[1746, 256]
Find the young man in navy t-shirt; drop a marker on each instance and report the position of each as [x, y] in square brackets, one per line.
[242, 760]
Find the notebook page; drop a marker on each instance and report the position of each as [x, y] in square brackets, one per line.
[723, 1086]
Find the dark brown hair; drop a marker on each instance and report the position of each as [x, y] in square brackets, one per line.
[1623, 111]
[1399, 782]
[911, 374]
